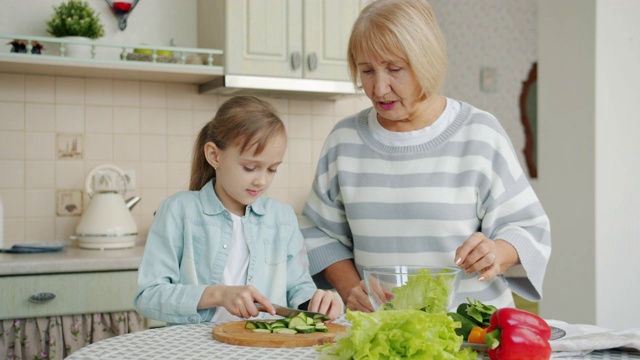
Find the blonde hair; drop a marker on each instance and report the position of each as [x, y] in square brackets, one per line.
[243, 121]
[403, 29]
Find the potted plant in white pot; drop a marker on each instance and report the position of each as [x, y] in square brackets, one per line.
[75, 20]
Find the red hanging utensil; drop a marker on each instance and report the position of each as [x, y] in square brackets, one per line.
[122, 9]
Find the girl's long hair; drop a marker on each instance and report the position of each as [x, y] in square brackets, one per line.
[242, 121]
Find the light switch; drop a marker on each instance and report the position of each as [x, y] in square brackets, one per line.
[488, 79]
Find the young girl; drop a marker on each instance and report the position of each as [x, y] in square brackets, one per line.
[216, 250]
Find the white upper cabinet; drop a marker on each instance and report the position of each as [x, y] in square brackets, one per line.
[280, 38]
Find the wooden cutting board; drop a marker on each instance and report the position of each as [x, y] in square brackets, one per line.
[234, 333]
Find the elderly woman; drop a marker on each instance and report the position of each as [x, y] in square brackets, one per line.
[419, 178]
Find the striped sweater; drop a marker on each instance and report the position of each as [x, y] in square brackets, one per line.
[415, 205]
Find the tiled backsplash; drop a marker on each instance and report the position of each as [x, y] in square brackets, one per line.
[141, 126]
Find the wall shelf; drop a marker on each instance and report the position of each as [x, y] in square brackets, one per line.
[116, 67]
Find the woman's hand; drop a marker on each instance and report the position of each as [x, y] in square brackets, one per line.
[326, 302]
[238, 300]
[488, 258]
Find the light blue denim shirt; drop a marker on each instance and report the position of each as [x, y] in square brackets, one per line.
[188, 246]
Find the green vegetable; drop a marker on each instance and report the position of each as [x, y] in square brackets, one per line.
[465, 325]
[422, 292]
[476, 311]
[410, 334]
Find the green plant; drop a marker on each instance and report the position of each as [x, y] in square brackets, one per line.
[75, 18]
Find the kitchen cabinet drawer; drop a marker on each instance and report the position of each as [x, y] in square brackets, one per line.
[75, 293]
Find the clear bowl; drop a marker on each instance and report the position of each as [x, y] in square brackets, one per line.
[412, 287]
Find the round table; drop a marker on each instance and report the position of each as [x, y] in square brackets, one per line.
[195, 342]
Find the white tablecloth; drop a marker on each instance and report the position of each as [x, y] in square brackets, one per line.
[195, 342]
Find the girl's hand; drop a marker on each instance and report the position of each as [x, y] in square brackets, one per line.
[326, 302]
[238, 300]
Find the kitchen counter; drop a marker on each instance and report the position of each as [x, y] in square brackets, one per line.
[71, 259]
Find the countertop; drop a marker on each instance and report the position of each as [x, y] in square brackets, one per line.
[71, 259]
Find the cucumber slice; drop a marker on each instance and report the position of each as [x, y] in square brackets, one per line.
[305, 329]
[265, 331]
[297, 321]
[284, 331]
[250, 325]
[310, 321]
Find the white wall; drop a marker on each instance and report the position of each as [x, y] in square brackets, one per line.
[617, 177]
[588, 183]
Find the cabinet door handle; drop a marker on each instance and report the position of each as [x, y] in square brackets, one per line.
[313, 61]
[296, 60]
[42, 297]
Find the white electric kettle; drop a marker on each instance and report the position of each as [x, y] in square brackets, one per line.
[107, 222]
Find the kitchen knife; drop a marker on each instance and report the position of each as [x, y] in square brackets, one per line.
[290, 312]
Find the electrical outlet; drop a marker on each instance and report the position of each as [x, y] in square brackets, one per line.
[105, 180]
[109, 180]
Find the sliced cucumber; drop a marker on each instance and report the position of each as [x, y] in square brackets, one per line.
[250, 325]
[297, 321]
[305, 329]
[282, 330]
[266, 331]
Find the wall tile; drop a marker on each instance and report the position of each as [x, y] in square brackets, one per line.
[126, 147]
[179, 148]
[153, 95]
[281, 105]
[40, 174]
[299, 151]
[126, 93]
[320, 107]
[126, 120]
[40, 117]
[40, 146]
[98, 92]
[12, 87]
[12, 115]
[12, 174]
[99, 147]
[40, 89]
[204, 102]
[153, 121]
[70, 175]
[40, 229]
[98, 119]
[153, 148]
[200, 119]
[179, 96]
[40, 202]
[179, 122]
[299, 126]
[14, 232]
[12, 145]
[69, 91]
[178, 175]
[12, 203]
[70, 118]
[150, 199]
[321, 126]
[153, 175]
[300, 107]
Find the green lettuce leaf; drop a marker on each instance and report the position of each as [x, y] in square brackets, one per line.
[422, 291]
[400, 334]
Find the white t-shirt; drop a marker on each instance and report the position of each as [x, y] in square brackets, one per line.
[235, 271]
[409, 138]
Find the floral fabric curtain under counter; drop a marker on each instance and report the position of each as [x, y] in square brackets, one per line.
[57, 337]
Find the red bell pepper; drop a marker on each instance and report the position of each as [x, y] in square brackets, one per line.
[515, 334]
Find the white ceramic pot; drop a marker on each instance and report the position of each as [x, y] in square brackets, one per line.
[77, 49]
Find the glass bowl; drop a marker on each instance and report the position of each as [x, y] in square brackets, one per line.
[412, 287]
